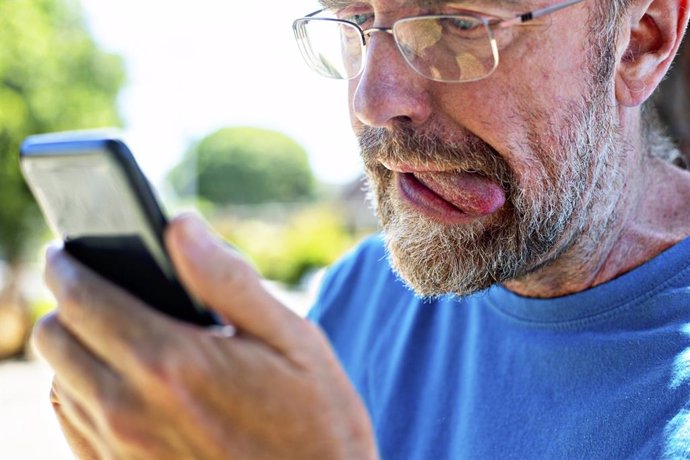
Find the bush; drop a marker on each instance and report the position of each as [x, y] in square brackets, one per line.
[243, 165]
[310, 239]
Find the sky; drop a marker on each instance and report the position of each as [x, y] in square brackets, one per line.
[196, 66]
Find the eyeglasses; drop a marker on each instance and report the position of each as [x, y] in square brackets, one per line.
[445, 48]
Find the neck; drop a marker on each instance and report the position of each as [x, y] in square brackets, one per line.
[648, 215]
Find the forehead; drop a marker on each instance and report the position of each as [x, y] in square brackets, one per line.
[422, 4]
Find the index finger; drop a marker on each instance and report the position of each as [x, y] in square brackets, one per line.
[109, 321]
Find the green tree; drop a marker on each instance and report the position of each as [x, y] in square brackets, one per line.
[307, 240]
[53, 77]
[244, 165]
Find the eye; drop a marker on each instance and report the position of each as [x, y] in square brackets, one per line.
[462, 25]
[361, 19]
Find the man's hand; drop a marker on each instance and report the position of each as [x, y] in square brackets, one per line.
[132, 383]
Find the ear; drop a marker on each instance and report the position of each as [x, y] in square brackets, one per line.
[653, 30]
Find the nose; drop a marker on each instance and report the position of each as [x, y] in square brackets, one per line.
[389, 91]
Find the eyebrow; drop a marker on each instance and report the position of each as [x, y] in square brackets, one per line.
[335, 4]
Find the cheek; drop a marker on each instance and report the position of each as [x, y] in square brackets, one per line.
[490, 109]
[535, 176]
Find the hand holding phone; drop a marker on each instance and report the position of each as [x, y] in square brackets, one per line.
[95, 197]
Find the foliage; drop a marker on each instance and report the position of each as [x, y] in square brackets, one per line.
[243, 165]
[52, 77]
[312, 238]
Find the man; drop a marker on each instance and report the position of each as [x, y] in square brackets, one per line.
[532, 297]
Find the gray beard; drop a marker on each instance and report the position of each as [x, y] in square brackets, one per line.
[573, 205]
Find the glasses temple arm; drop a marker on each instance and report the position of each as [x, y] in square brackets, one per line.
[530, 15]
[314, 13]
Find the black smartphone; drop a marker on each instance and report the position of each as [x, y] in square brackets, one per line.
[96, 198]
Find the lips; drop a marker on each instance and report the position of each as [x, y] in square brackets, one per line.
[450, 196]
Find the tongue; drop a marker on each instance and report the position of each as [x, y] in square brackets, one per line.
[473, 194]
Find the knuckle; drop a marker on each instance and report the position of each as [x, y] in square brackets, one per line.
[40, 331]
[311, 345]
[164, 369]
[43, 331]
[119, 416]
[167, 385]
[72, 296]
[239, 276]
[155, 370]
[311, 329]
[119, 424]
[188, 374]
[108, 398]
[312, 333]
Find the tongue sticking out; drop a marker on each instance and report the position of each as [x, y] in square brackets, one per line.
[473, 194]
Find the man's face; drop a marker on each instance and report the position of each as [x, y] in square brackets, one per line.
[478, 183]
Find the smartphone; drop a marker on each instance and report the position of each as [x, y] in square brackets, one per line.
[95, 197]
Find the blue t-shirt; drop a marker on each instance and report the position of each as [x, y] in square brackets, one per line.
[604, 373]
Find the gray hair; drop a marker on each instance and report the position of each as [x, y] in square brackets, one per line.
[660, 116]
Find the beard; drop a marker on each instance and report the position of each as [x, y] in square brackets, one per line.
[538, 222]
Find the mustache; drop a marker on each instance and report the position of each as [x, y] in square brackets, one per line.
[407, 145]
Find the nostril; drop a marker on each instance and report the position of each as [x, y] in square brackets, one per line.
[381, 98]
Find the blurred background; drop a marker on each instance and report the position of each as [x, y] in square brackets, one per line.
[222, 116]
[225, 120]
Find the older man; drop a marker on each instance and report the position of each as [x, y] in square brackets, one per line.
[530, 296]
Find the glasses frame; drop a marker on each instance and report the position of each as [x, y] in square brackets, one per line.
[491, 23]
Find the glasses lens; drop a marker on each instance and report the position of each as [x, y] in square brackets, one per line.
[447, 48]
[332, 48]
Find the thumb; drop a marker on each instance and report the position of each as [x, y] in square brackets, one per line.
[222, 280]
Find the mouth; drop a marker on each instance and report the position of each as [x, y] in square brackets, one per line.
[450, 197]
